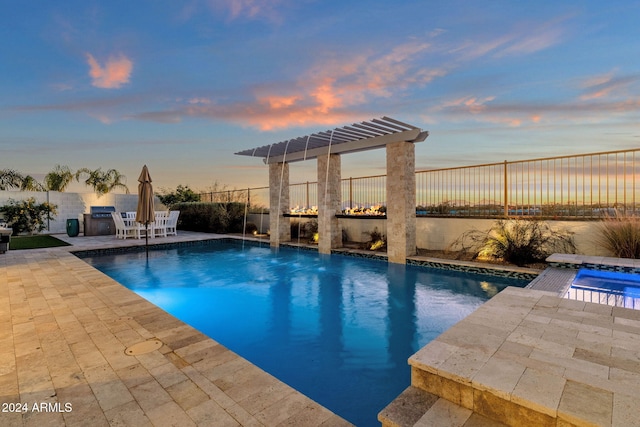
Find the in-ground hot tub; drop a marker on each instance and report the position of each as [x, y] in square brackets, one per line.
[614, 288]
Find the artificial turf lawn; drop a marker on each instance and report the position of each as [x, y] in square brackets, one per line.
[35, 242]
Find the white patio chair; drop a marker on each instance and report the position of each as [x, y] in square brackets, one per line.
[140, 229]
[160, 224]
[123, 230]
[130, 218]
[172, 223]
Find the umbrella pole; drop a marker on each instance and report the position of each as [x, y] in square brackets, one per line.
[146, 238]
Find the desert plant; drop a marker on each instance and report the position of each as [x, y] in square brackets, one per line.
[221, 193]
[27, 216]
[620, 235]
[376, 242]
[519, 241]
[311, 228]
[251, 228]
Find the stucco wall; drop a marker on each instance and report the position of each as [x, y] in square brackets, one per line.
[357, 228]
[73, 205]
[439, 233]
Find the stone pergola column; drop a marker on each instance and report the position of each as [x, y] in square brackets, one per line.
[401, 201]
[279, 226]
[329, 198]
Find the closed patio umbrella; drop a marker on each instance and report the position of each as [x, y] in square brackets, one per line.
[145, 214]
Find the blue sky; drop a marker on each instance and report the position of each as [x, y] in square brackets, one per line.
[182, 85]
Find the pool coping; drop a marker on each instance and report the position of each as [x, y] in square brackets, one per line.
[575, 261]
[514, 272]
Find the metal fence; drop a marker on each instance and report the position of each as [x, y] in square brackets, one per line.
[578, 186]
[256, 196]
[303, 197]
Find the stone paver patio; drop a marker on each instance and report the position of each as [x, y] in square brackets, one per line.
[527, 357]
[64, 328]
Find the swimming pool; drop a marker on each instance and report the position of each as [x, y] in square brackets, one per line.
[606, 287]
[336, 328]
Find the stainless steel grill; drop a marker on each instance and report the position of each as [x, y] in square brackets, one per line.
[101, 211]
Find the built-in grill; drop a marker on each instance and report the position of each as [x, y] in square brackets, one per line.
[101, 211]
[98, 222]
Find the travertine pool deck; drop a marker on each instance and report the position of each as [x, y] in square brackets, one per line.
[528, 358]
[64, 328]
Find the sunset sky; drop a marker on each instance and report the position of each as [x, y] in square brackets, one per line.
[182, 85]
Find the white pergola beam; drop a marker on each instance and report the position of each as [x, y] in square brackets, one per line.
[411, 135]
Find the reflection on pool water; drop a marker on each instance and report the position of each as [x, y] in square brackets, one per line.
[338, 329]
[606, 287]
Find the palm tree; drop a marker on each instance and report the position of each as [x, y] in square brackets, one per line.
[103, 182]
[10, 178]
[29, 183]
[59, 178]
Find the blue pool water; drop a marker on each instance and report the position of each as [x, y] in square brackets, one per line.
[338, 329]
[606, 287]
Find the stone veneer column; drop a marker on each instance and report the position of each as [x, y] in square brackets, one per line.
[329, 198]
[279, 226]
[401, 201]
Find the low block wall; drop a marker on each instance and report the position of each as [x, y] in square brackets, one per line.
[73, 205]
[439, 233]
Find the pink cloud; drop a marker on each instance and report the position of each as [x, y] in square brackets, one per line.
[485, 110]
[276, 102]
[607, 85]
[115, 72]
[328, 91]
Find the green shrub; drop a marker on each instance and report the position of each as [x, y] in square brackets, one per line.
[621, 236]
[182, 194]
[27, 216]
[211, 217]
[519, 241]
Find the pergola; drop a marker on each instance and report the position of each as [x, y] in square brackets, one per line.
[397, 137]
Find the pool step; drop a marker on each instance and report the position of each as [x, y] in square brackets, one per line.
[418, 408]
